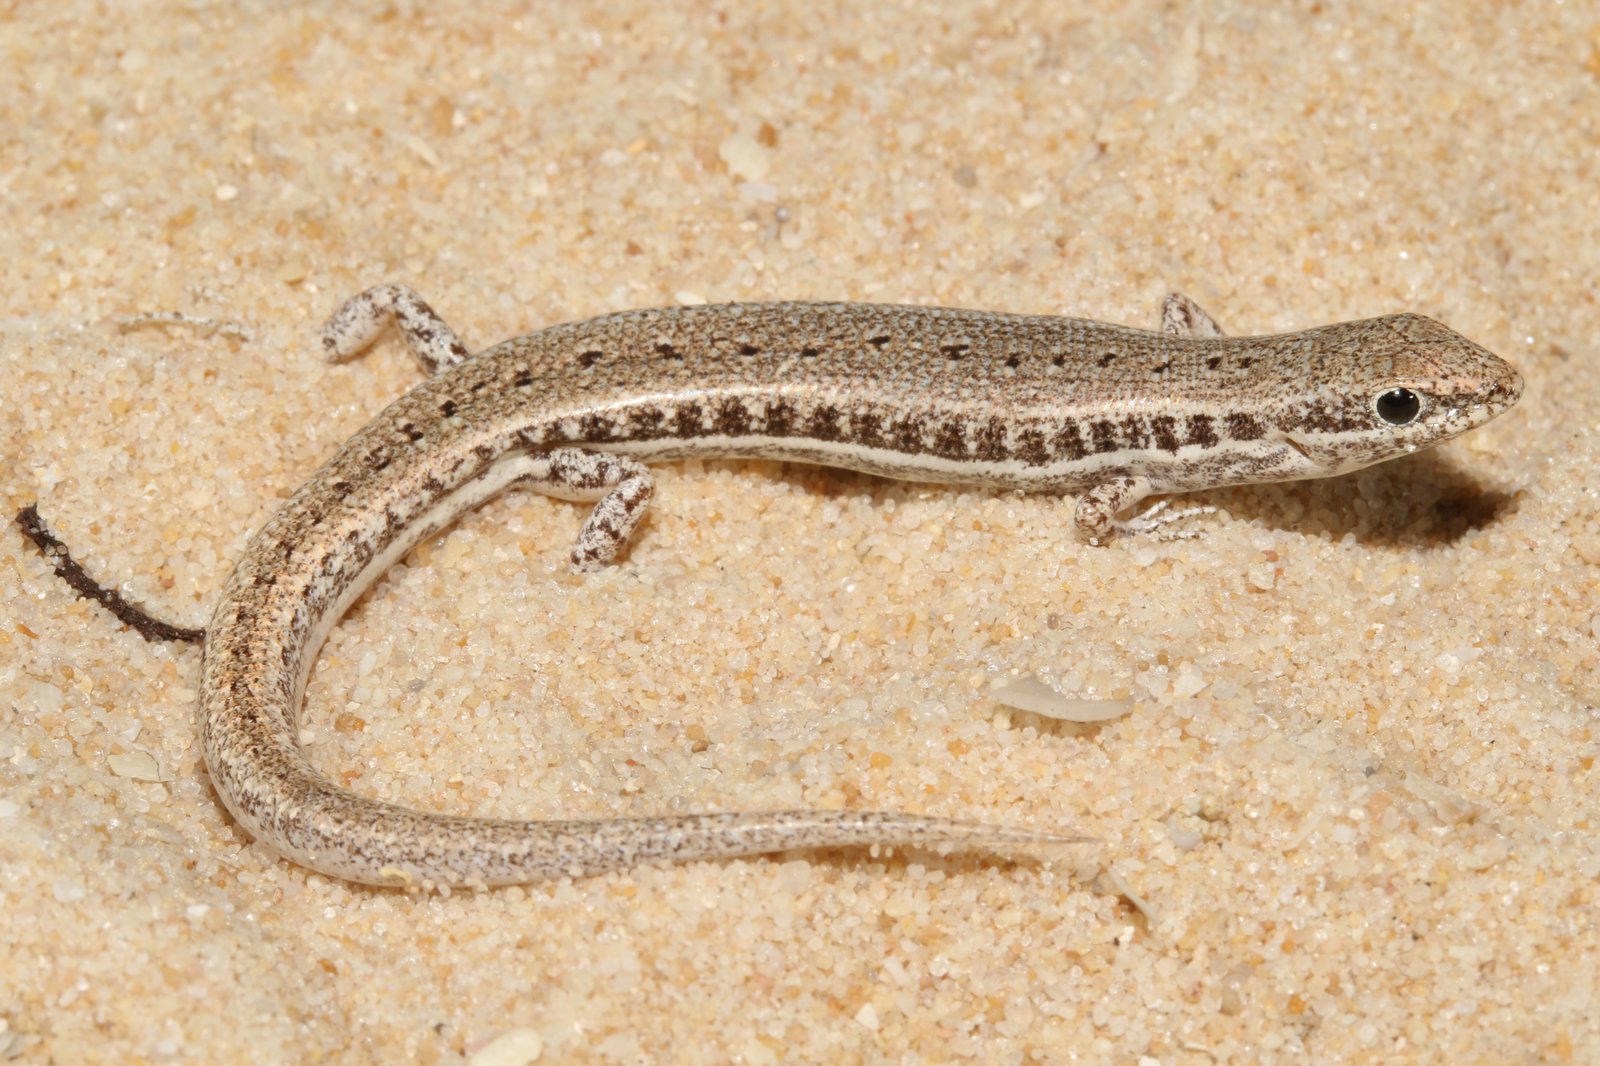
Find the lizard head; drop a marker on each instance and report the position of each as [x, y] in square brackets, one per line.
[1393, 385]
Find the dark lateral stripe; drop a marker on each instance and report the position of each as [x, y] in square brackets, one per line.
[1324, 418]
[988, 439]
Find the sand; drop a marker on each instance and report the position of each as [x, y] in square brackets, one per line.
[1349, 817]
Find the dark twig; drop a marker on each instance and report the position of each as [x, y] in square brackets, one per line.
[68, 570]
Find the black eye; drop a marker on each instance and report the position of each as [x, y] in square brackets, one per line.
[1399, 407]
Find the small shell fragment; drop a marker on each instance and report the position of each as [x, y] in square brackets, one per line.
[515, 1047]
[1033, 695]
[139, 765]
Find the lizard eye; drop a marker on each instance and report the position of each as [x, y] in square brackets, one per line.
[1398, 407]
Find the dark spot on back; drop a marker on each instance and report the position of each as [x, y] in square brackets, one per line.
[1031, 447]
[667, 351]
[809, 352]
[749, 349]
[448, 408]
[990, 445]
[686, 420]
[1106, 360]
[780, 418]
[1012, 362]
[413, 434]
[823, 425]
[1245, 427]
[1069, 442]
[1104, 433]
[647, 424]
[950, 441]
[596, 427]
[732, 420]
[879, 341]
[907, 435]
[1213, 362]
[1164, 428]
[589, 358]
[866, 428]
[1202, 431]
[523, 380]
[954, 351]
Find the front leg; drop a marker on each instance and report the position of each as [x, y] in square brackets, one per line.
[1098, 507]
[619, 487]
[356, 325]
[1097, 510]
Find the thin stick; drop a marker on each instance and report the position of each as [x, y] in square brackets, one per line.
[68, 570]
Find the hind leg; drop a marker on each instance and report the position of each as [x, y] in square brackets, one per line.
[619, 487]
[362, 317]
[1182, 317]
